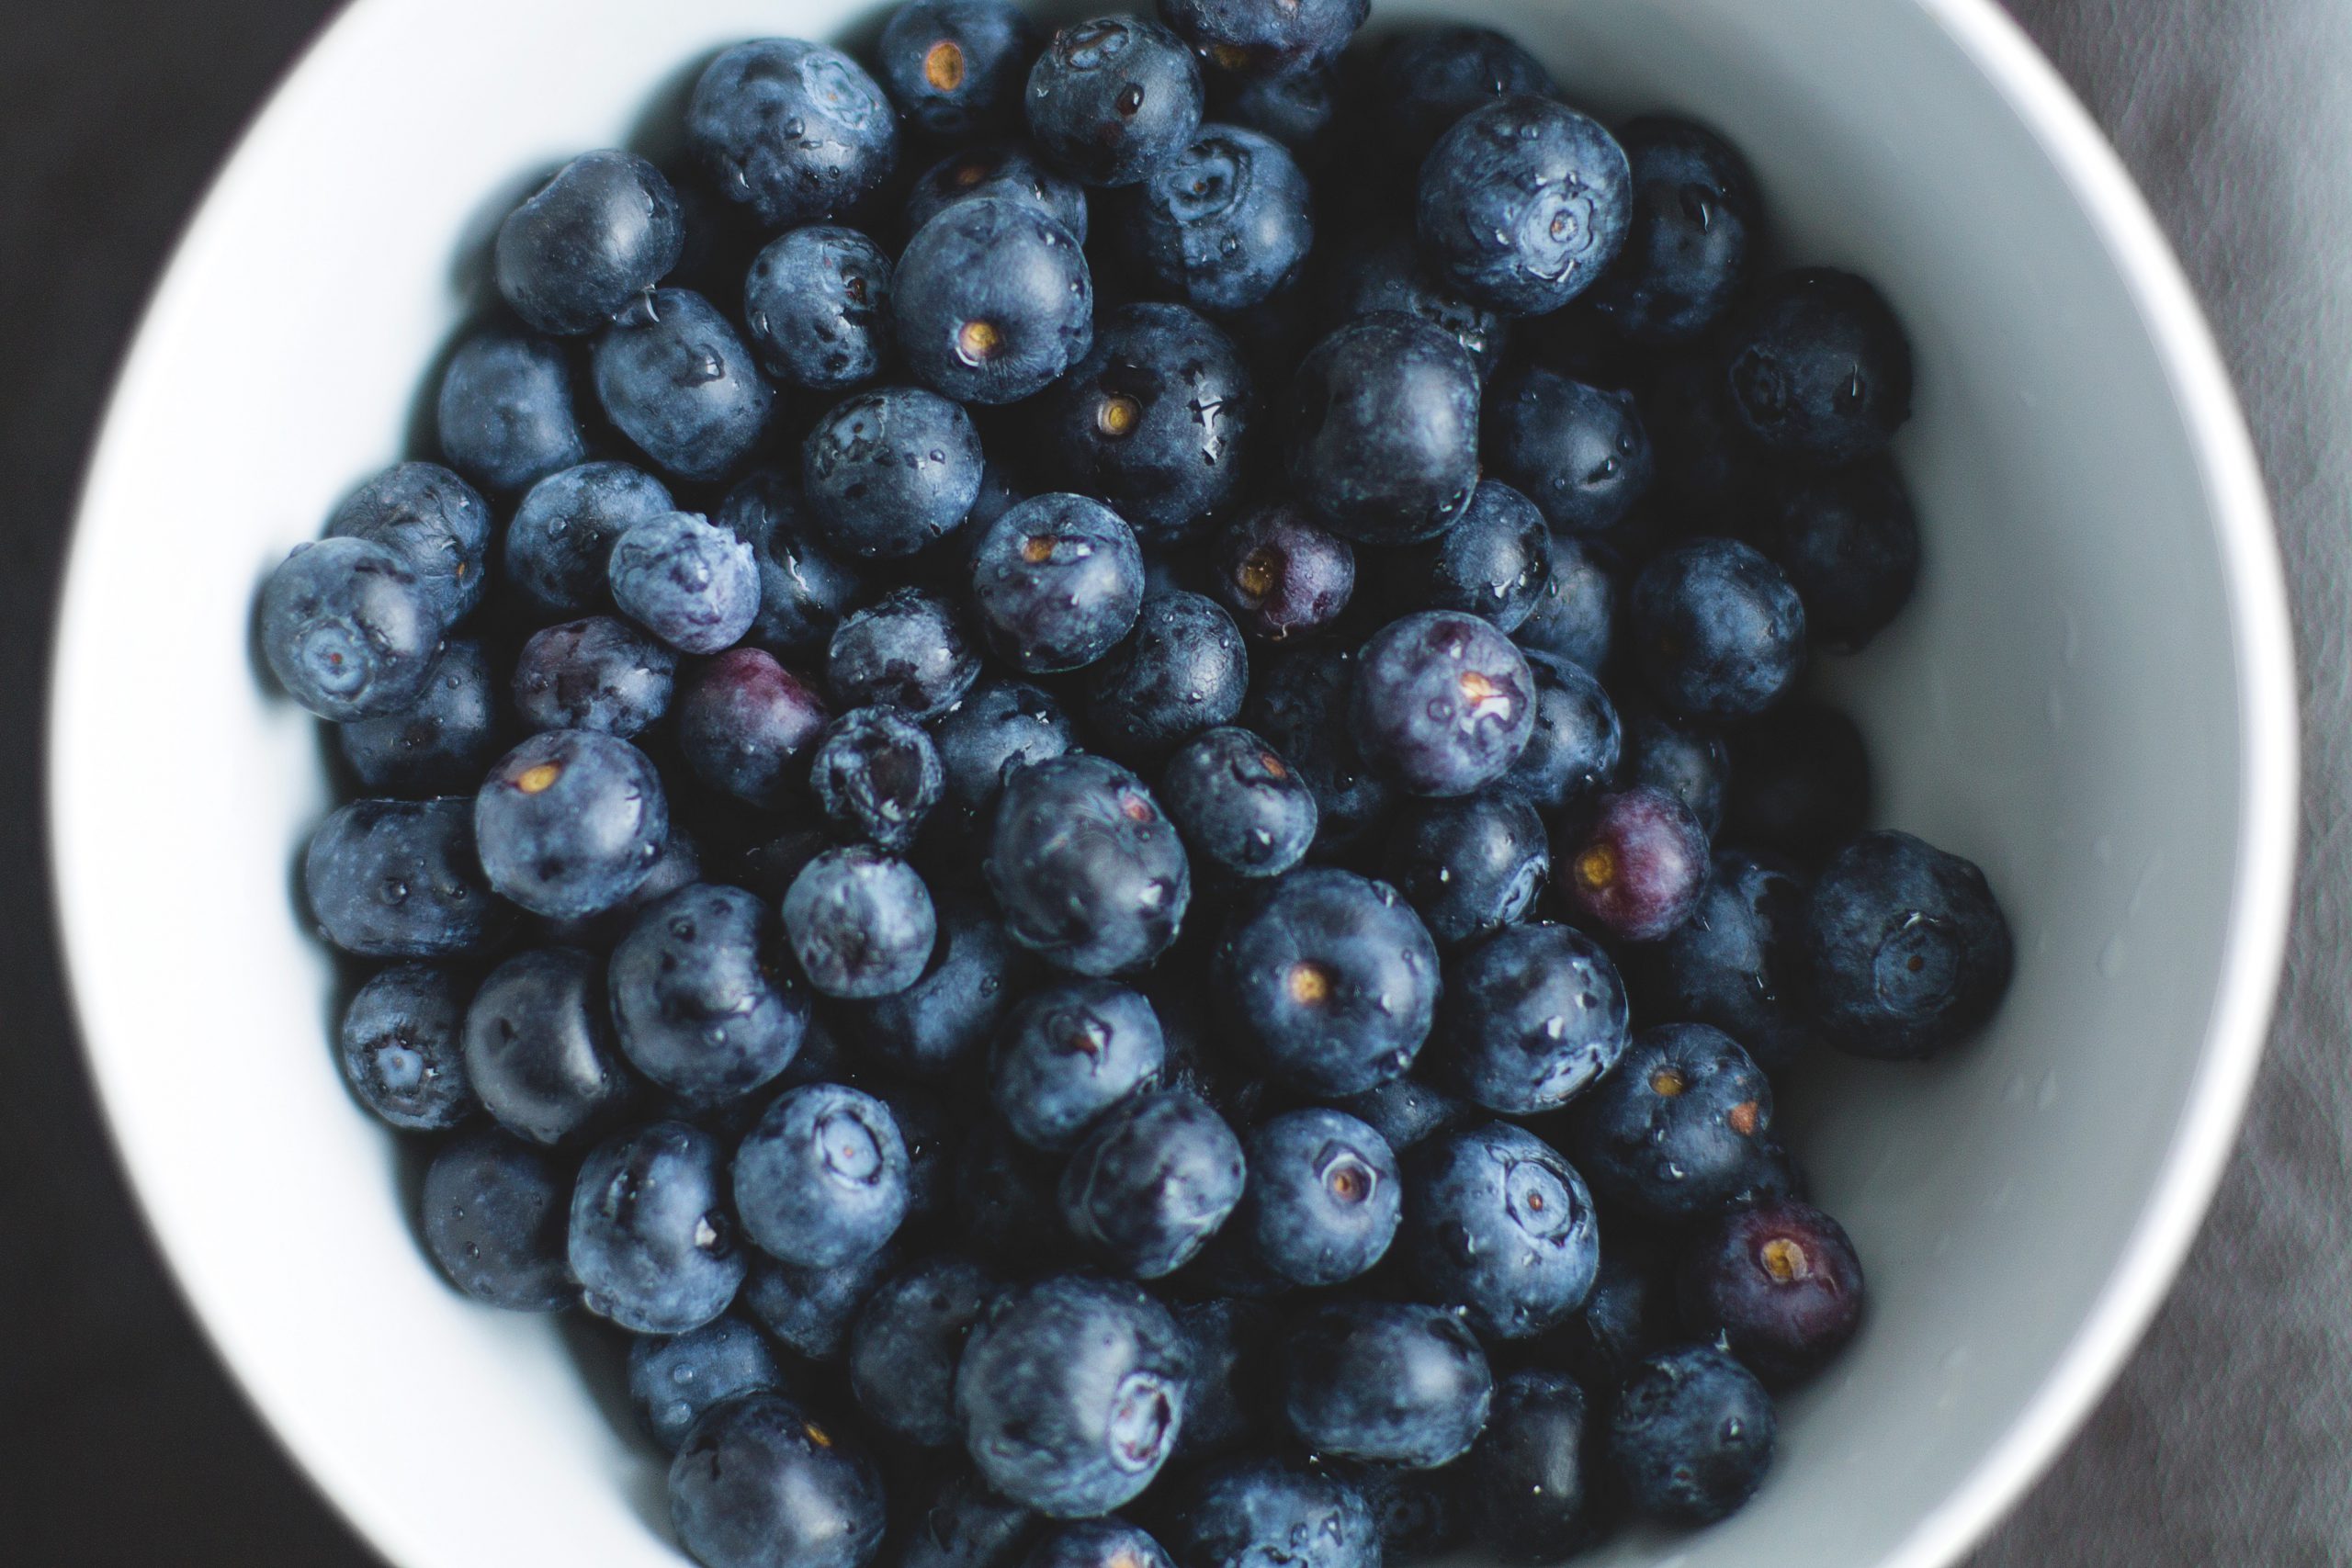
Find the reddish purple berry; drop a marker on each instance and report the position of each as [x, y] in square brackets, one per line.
[744, 721]
[1782, 1285]
[1636, 866]
[1280, 573]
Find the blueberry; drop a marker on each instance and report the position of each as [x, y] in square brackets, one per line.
[997, 171]
[907, 649]
[817, 303]
[1386, 1381]
[1151, 1181]
[876, 776]
[1628, 1316]
[1523, 203]
[1575, 616]
[1430, 77]
[433, 521]
[1420, 1514]
[1778, 1286]
[1232, 1343]
[759, 1483]
[443, 744]
[1696, 223]
[1498, 1226]
[1301, 704]
[678, 865]
[1097, 1543]
[1238, 805]
[504, 412]
[597, 674]
[805, 590]
[995, 729]
[811, 1311]
[1579, 452]
[699, 1002]
[1533, 1492]
[1280, 574]
[1493, 563]
[1679, 1128]
[1717, 630]
[1071, 1391]
[540, 1049]
[822, 1178]
[907, 1338]
[1258, 1509]
[678, 381]
[887, 472]
[934, 1134]
[1691, 1436]
[1055, 582]
[1323, 1197]
[956, 67]
[1533, 1015]
[399, 879]
[1818, 369]
[1299, 109]
[962, 1524]
[794, 131]
[1006, 1208]
[1111, 100]
[562, 534]
[1407, 1111]
[1383, 272]
[1225, 222]
[401, 1048]
[1687, 761]
[569, 822]
[1382, 430]
[652, 1241]
[1468, 866]
[1910, 952]
[671, 1381]
[350, 630]
[1579, 738]
[1330, 982]
[942, 1022]
[1634, 864]
[860, 921]
[601, 233]
[745, 723]
[992, 301]
[1069, 1053]
[1155, 420]
[1087, 869]
[1850, 544]
[1260, 41]
[1443, 702]
[494, 1219]
[1738, 963]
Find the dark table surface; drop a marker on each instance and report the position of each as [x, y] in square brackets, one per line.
[2224, 1442]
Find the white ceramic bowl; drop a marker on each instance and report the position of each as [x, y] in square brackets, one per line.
[2092, 697]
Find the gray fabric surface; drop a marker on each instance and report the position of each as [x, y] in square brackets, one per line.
[124, 1444]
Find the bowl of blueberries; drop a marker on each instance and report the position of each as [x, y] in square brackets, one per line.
[960, 787]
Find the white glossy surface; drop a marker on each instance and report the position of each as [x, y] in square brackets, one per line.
[2092, 698]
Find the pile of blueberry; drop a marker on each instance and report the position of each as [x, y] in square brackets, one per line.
[1017, 794]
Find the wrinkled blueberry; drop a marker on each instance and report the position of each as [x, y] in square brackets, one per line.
[433, 520]
[907, 649]
[889, 471]
[817, 303]
[597, 674]
[876, 776]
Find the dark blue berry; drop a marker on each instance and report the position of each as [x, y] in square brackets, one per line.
[561, 539]
[678, 865]
[1112, 99]
[1498, 1226]
[688, 582]
[1739, 963]
[601, 233]
[1443, 702]
[761, 1483]
[1067, 1054]
[1629, 1315]
[876, 776]
[805, 590]
[1696, 223]
[673, 1381]
[1468, 866]
[1691, 1436]
[1384, 1381]
[1055, 582]
[1384, 272]
[400, 879]
[1301, 705]
[1323, 1197]
[675, 379]
[1575, 616]
[1430, 77]
[1299, 109]
[349, 630]
[1006, 1208]
[1679, 1129]
[652, 1241]
[889, 471]
[998, 171]
[1087, 869]
[504, 412]
[1776, 1285]
[1687, 761]
[860, 921]
[1259, 39]
[907, 1338]
[1579, 738]
[569, 822]
[745, 725]
[810, 1310]
[1493, 563]
[1421, 1513]
[401, 1048]
[493, 1218]
[1329, 981]
[1910, 952]
[1258, 1509]
[1533, 1016]
[1181, 670]
[820, 1179]
[942, 1022]
[433, 520]
[992, 301]
[701, 1002]
[1717, 630]
[1818, 368]
[1232, 1343]
[599, 674]
[1523, 203]
[443, 743]
[1071, 1391]
[1579, 452]
[1532, 1490]
[1279, 574]
[1225, 222]
[908, 649]
[794, 131]
[1850, 544]
[955, 68]
[1238, 805]
[1151, 1181]
[1381, 430]
[540, 1049]
[817, 302]
[996, 727]
[1407, 1111]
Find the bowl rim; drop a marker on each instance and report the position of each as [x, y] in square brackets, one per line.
[2261, 899]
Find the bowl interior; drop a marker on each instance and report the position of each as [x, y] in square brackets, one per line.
[2087, 699]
